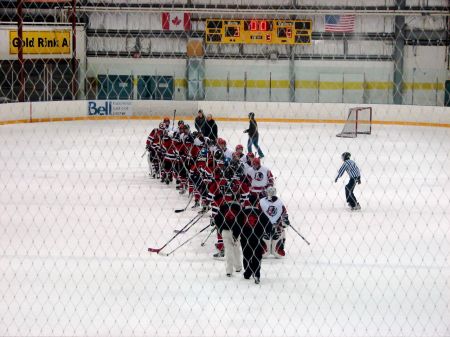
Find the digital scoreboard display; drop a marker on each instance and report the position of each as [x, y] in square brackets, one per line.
[289, 32]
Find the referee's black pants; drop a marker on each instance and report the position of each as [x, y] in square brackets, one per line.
[349, 196]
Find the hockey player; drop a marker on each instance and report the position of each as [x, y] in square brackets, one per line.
[169, 158]
[247, 161]
[353, 172]
[237, 166]
[166, 121]
[256, 224]
[216, 195]
[259, 177]
[274, 209]
[240, 150]
[222, 145]
[229, 221]
[153, 148]
[179, 168]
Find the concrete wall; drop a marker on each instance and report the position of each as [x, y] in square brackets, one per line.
[268, 81]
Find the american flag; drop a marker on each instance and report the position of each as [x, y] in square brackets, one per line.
[340, 23]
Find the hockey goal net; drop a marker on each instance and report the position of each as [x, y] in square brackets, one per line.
[359, 121]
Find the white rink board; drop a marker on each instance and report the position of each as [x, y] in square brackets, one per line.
[188, 109]
[78, 212]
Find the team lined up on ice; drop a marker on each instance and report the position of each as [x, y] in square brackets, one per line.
[230, 183]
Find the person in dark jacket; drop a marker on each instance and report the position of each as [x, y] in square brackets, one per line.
[210, 129]
[200, 121]
[256, 224]
[253, 135]
[229, 220]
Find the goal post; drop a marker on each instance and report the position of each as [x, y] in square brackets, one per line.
[359, 121]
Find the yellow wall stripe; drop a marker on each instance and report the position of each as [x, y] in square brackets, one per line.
[379, 85]
[223, 119]
[303, 84]
[181, 83]
[423, 86]
[315, 85]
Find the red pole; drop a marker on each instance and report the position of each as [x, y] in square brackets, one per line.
[21, 95]
[74, 50]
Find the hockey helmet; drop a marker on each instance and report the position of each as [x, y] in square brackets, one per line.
[250, 155]
[251, 115]
[162, 126]
[256, 163]
[204, 152]
[221, 142]
[345, 156]
[180, 123]
[218, 154]
[271, 192]
[166, 120]
[239, 148]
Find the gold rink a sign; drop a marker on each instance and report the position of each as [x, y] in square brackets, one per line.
[41, 42]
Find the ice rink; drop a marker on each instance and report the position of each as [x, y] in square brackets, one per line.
[78, 212]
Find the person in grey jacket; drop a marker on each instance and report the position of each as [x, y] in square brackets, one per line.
[253, 135]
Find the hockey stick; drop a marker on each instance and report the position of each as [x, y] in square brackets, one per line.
[209, 235]
[296, 231]
[189, 202]
[188, 240]
[173, 122]
[144, 153]
[190, 224]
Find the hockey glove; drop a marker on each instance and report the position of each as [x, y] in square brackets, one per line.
[285, 221]
[358, 180]
[246, 131]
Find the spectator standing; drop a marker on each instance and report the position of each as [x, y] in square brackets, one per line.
[200, 121]
[253, 135]
[210, 129]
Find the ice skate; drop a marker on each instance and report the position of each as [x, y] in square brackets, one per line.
[204, 209]
[219, 254]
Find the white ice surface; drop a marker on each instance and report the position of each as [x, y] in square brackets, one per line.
[78, 212]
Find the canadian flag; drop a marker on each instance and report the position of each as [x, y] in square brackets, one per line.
[176, 21]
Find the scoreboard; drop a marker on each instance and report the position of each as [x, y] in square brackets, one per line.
[289, 32]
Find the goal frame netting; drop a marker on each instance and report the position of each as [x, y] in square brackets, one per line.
[359, 121]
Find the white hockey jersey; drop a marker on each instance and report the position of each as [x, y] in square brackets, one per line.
[274, 209]
[259, 179]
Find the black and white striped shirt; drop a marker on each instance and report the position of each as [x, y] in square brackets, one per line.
[351, 168]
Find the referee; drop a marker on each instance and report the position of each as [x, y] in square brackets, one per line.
[355, 177]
